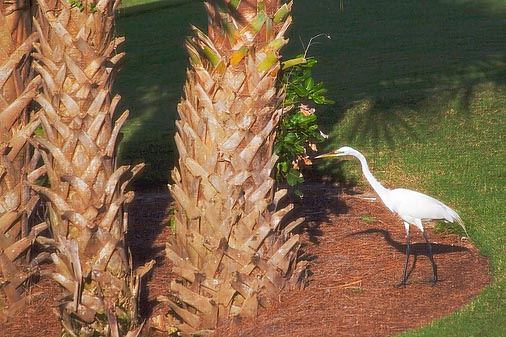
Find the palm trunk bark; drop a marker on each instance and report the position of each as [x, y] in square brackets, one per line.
[17, 89]
[232, 248]
[77, 58]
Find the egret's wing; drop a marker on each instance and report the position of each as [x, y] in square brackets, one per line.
[411, 205]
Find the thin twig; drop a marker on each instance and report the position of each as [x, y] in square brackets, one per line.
[346, 285]
[310, 43]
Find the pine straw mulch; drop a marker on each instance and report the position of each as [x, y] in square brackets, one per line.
[356, 251]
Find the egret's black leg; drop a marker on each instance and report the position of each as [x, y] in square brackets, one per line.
[431, 257]
[404, 273]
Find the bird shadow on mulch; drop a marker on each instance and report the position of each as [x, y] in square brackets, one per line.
[356, 251]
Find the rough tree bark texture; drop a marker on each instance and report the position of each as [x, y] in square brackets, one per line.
[17, 163]
[77, 58]
[231, 248]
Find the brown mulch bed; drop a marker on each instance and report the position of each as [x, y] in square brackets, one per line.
[356, 251]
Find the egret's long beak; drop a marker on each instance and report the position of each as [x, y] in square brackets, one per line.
[328, 155]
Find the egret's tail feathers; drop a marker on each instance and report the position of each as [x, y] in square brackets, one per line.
[461, 223]
[456, 217]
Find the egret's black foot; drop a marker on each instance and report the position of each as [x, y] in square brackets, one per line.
[431, 282]
[400, 285]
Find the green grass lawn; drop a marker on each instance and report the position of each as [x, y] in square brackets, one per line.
[420, 89]
[151, 82]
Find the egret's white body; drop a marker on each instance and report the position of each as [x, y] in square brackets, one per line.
[411, 206]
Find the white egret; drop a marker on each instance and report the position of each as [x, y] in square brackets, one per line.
[411, 206]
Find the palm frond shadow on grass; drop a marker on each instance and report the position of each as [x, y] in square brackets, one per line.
[389, 60]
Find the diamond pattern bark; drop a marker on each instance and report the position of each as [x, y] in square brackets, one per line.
[77, 58]
[232, 248]
[17, 163]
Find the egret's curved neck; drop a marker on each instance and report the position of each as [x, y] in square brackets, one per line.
[368, 175]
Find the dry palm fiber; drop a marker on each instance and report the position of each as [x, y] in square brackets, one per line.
[17, 163]
[231, 249]
[77, 58]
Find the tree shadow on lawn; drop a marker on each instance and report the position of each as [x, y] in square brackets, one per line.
[151, 84]
[388, 60]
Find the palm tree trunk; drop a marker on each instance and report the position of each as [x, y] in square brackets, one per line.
[233, 248]
[17, 89]
[78, 60]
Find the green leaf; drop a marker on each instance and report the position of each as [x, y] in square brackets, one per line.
[301, 91]
[311, 62]
[172, 224]
[39, 131]
[292, 62]
[235, 3]
[281, 14]
[297, 131]
[276, 44]
[300, 118]
[256, 24]
[294, 177]
[309, 83]
[268, 62]
[211, 55]
[193, 53]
